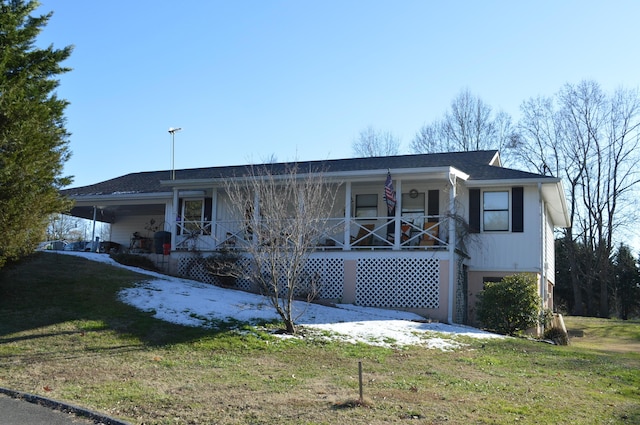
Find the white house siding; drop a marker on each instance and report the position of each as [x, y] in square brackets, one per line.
[509, 251]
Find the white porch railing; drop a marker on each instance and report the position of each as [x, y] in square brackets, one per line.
[416, 232]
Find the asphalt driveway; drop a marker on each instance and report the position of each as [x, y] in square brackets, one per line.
[19, 409]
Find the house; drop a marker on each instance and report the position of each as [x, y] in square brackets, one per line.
[463, 219]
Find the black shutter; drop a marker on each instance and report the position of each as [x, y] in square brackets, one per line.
[208, 204]
[474, 210]
[433, 202]
[517, 209]
[179, 218]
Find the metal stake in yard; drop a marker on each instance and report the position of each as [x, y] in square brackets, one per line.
[360, 380]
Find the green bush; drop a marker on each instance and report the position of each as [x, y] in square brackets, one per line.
[511, 305]
[134, 260]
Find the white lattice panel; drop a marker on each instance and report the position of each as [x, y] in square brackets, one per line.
[398, 282]
[331, 272]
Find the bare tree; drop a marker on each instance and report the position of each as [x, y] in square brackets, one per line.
[591, 141]
[285, 211]
[371, 142]
[469, 125]
[62, 227]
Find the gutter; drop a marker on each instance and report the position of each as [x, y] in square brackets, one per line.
[365, 175]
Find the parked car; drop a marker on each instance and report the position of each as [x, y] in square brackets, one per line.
[109, 247]
[77, 246]
[52, 246]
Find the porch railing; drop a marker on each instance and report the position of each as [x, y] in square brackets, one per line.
[416, 232]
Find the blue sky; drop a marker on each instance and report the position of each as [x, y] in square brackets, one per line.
[300, 79]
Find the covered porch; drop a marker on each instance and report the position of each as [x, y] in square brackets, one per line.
[423, 218]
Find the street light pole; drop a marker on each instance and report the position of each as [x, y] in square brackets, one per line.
[173, 130]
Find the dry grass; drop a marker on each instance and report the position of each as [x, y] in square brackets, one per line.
[63, 334]
[611, 335]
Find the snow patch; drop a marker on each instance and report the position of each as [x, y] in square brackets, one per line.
[192, 303]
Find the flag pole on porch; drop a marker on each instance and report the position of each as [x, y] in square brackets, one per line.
[390, 199]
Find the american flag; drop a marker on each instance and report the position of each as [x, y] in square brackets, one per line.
[389, 194]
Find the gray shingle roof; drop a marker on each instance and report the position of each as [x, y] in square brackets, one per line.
[475, 164]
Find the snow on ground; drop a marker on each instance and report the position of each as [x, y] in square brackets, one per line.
[192, 303]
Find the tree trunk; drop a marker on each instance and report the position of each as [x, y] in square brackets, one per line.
[290, 327]
[604, 291]
[578, 304]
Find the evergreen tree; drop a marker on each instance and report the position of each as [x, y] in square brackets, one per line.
[33, 138]
[627, 281]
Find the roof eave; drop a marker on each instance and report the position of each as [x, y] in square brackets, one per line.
[335, 176]
[95, 199]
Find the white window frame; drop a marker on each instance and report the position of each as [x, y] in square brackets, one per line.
[185, 221]
[486, 210]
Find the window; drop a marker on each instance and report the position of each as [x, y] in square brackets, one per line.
[495, 207]
[366, 206]
[192, 214]
[413, 204]
[497, 210]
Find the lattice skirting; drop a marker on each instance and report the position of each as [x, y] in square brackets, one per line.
[380, 282]
[328, 271]
[331, 272]
[194, 268]
[398, 282]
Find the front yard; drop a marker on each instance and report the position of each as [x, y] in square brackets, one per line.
[64, 335]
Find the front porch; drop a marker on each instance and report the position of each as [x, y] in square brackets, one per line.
[418, 232]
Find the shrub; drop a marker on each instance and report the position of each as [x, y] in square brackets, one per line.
[134, 260]
[557, 335]
[511, 305]
[223, 265]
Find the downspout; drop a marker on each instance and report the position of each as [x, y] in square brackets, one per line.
[543, 253]
[452, 248]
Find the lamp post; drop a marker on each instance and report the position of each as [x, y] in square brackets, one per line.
[173, 130]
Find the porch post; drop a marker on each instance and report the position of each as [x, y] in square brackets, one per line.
[397, 228]
[452, 247]
[214, 217]
[174, 219]
[347, 217]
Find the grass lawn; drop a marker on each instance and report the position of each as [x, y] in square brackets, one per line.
[65, 335]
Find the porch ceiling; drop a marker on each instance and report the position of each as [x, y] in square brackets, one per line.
[111, 213]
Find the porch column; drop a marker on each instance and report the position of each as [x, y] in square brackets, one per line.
[214, 217]
[452, 248]
[397, 228]
[347, 217]
[174, 218]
